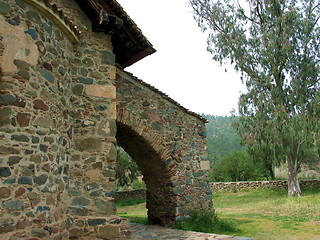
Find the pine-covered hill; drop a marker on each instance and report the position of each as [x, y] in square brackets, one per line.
[222, 138]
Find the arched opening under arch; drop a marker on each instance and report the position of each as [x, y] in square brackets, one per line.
[161, 201]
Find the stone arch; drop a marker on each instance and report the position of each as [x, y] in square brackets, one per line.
[152, 156]
[168, 142]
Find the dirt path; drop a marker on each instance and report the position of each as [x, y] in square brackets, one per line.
[143, 232]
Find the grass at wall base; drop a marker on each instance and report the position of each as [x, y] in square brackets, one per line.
[261, 214]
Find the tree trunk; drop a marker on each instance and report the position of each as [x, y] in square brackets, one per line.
[293, 183]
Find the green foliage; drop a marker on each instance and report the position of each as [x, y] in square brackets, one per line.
[134, 210]
[138, 219]
[128, 202]
[276, 46]
[136, 184]
[126, 169]
[222, 138]
[236, 166]
[207, 222]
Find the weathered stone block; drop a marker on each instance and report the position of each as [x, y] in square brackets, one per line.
[43, 148]
[33, 16]
[14, 205]
[103, 91]
[45, 122]
[105, 208]
[5, 116]
[205, 165]
[8, 150]
[39, 104]
[78, 211]
[112, 153]
[93, 175]
[23, 223]
[39, 233]
[19, 192]
[25, 180]
[109, 232]
[107, 58]
[33, 33]
[4, 8]
[80, 202]
[20, 138]
[23, 119]
[6, 225]
[76, 232]
[40, 180]
[85, 80]
[198, 174]
[112, 72]
[96, 222]
[13, 160]
[34, 198]
[113, 110]
[90, 144]
[77, 89]
[17, 41]
[11, 100]
[5, 192]
[5, 172]
[35, 158]
[43, 208]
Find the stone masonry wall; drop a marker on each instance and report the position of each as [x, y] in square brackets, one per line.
[57, 126]
[231, 186]
[225, 186]
[139, 194]
[176, 136]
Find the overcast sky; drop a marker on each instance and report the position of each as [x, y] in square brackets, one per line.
[181, 67]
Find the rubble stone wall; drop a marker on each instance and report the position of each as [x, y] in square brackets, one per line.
[225, 186]
[231, 186]
[57, 120]
[139, 194]
[174, 162]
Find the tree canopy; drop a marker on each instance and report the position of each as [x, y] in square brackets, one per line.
[222, 137]
[275, 45]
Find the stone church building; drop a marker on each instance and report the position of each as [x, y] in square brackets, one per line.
[65, 103]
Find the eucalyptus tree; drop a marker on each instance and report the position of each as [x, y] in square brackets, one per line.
[275, 45]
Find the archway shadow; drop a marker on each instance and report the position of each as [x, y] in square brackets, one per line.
[161, 202]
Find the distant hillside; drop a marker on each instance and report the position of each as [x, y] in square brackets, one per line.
[221, 137]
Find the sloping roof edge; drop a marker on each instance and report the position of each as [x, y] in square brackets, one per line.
[130, 45]
[165, 96]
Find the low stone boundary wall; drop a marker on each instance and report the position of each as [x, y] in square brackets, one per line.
[231, 186]
[226, 186]
[139, 194]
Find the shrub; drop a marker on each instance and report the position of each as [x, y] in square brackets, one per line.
[207, 222]
[126, 169]
[237, 166]
[138, 184]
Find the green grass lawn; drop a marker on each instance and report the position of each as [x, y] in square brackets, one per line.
[270, 214]
[260, 214]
